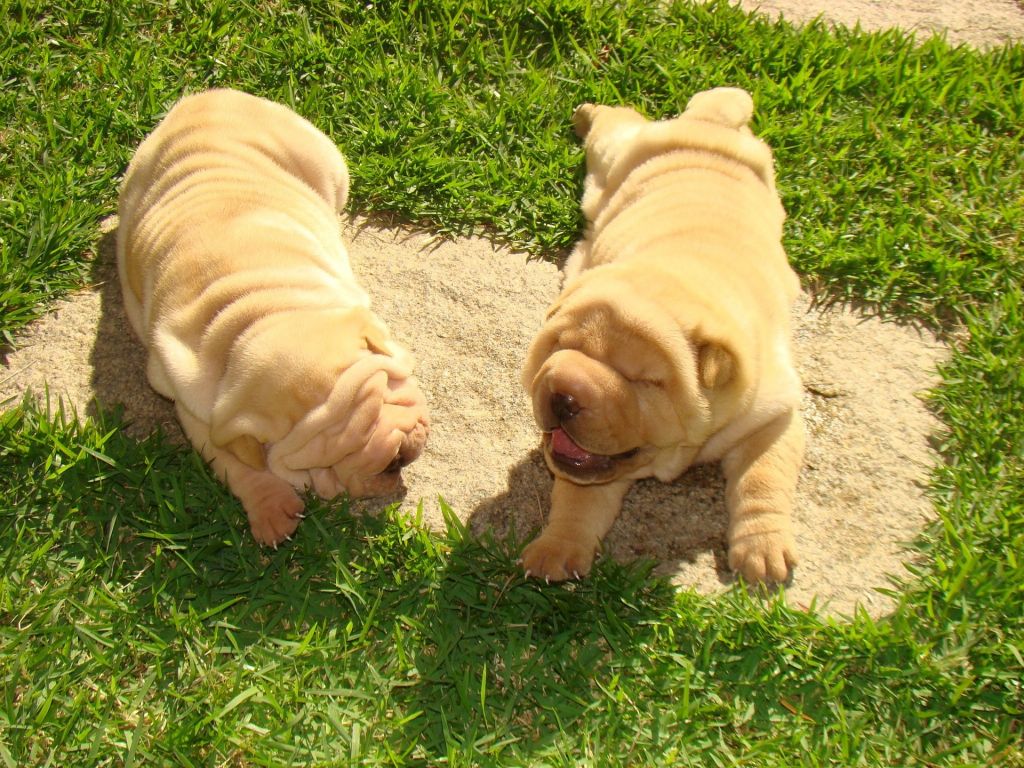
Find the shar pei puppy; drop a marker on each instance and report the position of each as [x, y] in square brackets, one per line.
[670, 342]
[236, 279]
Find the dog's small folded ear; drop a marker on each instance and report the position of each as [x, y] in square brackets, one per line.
[245, 418]
[233, 431]
[540, 349]
[583, 118]
[378, 340]
[716, 366]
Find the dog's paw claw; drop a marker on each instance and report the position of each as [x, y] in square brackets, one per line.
[555, 559]
[274, 512]
[767, 558]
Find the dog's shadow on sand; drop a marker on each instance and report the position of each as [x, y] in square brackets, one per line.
[118, 359]
[680, 526]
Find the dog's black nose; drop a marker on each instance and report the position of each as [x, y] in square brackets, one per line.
[564, 406]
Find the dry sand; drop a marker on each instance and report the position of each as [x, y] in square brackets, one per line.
[469, 310]
[980, 23]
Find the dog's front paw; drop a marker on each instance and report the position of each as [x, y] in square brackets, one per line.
[274, 510]
[763, 557]
[556, 559]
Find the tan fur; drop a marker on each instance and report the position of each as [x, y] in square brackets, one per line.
[671, 337]
[236, 279]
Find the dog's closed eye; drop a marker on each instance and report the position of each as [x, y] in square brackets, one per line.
[644, 378]
[649, 382]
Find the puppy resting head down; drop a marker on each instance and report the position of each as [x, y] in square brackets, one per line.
[236, 279]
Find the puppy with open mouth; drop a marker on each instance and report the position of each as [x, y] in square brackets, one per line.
[670, 342]
[236, 279]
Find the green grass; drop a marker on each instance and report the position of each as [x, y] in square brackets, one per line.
[139, 625]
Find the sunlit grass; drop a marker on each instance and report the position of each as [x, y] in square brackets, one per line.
[139, 625]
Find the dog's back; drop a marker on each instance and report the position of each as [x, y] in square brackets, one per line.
[216, 158]
[221, 177]
[701, 179]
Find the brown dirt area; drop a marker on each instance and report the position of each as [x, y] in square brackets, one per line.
[468, 310]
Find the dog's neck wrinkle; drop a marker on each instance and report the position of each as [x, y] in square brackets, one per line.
[659, 140]
[736, 191]
[708, 161]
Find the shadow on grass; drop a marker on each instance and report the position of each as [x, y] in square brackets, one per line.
[433, 645]
[509, 667]
[431, 641]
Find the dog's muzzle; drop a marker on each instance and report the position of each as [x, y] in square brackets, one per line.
[567, 454]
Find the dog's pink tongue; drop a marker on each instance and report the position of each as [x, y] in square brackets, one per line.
[563, 445]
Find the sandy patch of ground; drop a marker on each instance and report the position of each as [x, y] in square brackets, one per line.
[981, 23]
[469, 310]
